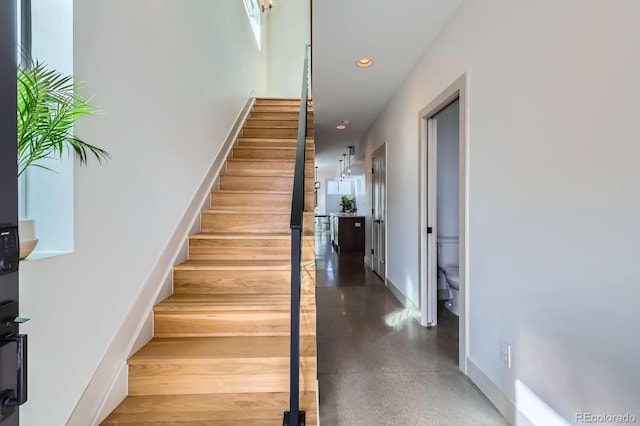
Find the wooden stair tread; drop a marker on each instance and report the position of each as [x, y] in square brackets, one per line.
[258, 173]
[239, 210]
[232, 302]
[276, 99]
[219, 409]
[243, 235]
[274, 148]
[211, 265]
[243, 199]
[261, 160]
[270, 139]
[264, 161]
[267, 144]
[250, 191]
[205, 349]
[271, 126]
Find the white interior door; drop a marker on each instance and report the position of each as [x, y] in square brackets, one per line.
[378, 244]
[431, 301]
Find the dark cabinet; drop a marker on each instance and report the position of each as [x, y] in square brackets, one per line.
[347, 233]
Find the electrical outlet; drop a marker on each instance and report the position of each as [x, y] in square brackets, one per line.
[505, 353]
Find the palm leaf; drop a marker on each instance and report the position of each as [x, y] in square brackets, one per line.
[48, 107]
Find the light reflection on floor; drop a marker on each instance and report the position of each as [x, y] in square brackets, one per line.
[376, 364]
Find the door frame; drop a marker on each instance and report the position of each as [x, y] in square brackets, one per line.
[457, 90]
[382, 147]
[9, 290]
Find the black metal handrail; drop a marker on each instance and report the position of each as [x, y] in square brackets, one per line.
[296, 417]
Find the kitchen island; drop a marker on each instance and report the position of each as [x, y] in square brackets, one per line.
[347, 232]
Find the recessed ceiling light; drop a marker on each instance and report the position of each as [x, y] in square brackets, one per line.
[364, 62]
[342, 125]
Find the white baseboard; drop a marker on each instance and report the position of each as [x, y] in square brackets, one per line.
[402, 298]
[493, 392]
[108, 386]
[530, 410]
[367, 262]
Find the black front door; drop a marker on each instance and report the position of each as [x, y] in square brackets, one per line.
[10, 340]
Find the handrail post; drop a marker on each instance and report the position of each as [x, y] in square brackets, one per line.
[295, 417]
[294, 364]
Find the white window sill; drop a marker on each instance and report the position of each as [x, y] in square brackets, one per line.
[38, 255]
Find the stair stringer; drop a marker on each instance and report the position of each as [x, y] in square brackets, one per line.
[108, 386]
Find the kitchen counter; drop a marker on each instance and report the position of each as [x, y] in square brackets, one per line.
[347, 232]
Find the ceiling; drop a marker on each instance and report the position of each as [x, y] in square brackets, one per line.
[394, 34]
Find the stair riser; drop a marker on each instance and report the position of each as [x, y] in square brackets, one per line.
[279, 101]
[268, 132]
[257, 201]
[295, 139]
[269, 154]
[238, 253]
[255, 164]
[257, 115]
[219, 376]
[247, 249]
[261, 183]
[285, 143]
[206, 410]
[279, 122]
[238, 282]
[276, 166]
[244, 222]
[238, 323]
[233, 418]
[276, 108]
[251, 222]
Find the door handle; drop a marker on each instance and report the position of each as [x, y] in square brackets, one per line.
[7, 398]
[9, 333]
[376, 221]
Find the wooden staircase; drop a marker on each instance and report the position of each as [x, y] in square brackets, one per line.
[220, 351]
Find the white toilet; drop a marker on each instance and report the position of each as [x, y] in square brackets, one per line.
[448, 273]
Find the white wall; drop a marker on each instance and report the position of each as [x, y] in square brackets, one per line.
[288, 34]
[171, 77]
[553, 192]
[448, 181]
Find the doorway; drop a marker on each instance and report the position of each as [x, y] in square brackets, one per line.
[446, 234]
[378, 212]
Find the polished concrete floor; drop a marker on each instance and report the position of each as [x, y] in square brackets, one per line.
[376, 365]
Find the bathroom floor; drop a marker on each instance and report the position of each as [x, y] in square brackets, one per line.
[376, 364]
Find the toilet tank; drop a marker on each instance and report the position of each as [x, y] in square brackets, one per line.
[447, 251]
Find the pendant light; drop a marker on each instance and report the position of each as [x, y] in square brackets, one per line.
[351, 150]
[340, 175]
[344, 164]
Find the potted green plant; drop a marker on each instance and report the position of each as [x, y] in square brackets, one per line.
[348, 204]
[48, 107]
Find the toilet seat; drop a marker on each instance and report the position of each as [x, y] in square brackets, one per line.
[452, 273]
